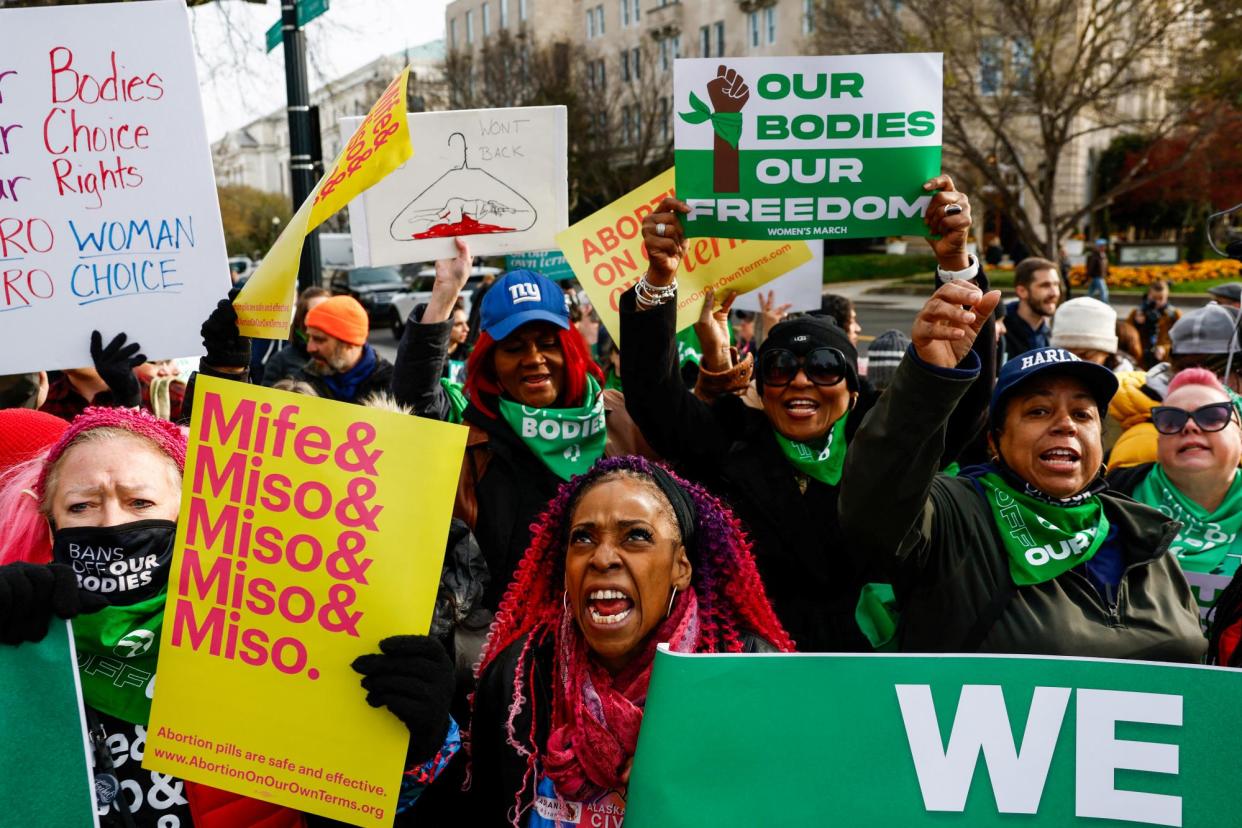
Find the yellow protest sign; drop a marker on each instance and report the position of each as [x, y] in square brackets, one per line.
[309, 531]
[379, 145]
[607, 254]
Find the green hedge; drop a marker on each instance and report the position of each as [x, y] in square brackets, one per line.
[852, 268]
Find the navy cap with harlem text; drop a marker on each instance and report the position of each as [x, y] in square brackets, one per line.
[1100, 381]
[518, 297]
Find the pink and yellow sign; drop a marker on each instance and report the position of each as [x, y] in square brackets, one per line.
[379, 145]
[607, 254]
[309, 531]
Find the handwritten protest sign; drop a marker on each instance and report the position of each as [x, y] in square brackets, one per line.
[899, 740]
[807, 147]
[108, 210]
[607, 254]
[801, 288]
[495, 177]
[379, 144]
[309, 530]
[43, 728]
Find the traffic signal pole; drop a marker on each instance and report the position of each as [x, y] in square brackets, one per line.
[301, 140]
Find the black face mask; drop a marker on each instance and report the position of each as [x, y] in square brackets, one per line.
[122, 564]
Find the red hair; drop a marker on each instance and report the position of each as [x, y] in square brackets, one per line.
[1195, 376]
[481, 377]
[731, 599]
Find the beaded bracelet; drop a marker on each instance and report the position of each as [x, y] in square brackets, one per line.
[651, 296]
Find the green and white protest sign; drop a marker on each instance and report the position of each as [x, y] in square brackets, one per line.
[917, 740]
[807, 147]
[550, 263]
[43, 748]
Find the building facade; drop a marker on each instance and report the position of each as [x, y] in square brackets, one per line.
[257, 155]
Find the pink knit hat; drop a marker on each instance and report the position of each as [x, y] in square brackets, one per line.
[168, 436]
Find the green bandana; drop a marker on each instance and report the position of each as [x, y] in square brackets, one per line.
[567, 440]
[117, 651]
[1205, 540]
[728, 125]
[1040, 550]
[825, 462]
[456, 398]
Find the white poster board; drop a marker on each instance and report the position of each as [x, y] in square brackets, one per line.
[495, 177]
[801, 288]
[108, 210]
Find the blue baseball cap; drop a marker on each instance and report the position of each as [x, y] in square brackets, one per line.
[518, 297]
[1100, 381]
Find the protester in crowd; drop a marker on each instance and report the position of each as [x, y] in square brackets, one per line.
[1154, 319]
[1202, 338]
[884, 356]
[609, 359]
[744, 332]
[24, 433]
[113, 479]
[162, 388]
[841, 310]
[109, 382]
[1229, 295]
[1097, 271]
[1029, 553]
[626, 556]
[1195, 479]
[532, 399]
[1087, 328]
[779, 466]
[1129, 345]
[1038, 287]
[23, 390]
[288, 362]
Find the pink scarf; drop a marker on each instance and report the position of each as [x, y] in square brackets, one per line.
[595, 716]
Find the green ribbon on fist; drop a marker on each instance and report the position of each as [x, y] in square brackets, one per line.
[728, 125]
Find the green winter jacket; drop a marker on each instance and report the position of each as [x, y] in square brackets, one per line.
[934, 539]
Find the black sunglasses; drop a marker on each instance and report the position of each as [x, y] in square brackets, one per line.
[823, 366]
[1169, 419]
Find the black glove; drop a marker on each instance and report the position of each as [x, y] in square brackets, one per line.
[226, 347]
[414, 679]
[116, 364]
[31, 593]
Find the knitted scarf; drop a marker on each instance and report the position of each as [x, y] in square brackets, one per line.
[345, 386]
[595, 715]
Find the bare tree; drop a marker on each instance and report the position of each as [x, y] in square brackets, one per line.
[619, 123]
[1029, 82]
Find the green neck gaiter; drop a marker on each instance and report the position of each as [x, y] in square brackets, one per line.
[822, 462]
[1043, 540]
[1205, 537]
[567, 440]
[117, 650]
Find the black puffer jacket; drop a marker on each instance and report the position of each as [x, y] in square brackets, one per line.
[731, 449]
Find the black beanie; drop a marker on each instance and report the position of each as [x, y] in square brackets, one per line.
[804, 333]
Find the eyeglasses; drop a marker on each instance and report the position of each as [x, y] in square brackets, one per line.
[822, 366]
[1211, 417]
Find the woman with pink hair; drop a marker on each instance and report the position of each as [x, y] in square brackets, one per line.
[88, 533]
[626, 556]
[1196, 480]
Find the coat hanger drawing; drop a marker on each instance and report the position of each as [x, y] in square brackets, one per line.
[463, 201]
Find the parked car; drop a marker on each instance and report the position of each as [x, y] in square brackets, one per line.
[241, 267]
[373, 287]
[420, 292]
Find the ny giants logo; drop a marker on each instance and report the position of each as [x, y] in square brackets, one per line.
[524, 292]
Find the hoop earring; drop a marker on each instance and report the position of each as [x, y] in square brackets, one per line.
[671, 599]
[565, 600]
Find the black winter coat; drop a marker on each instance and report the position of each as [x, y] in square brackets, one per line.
[380, 381]
[731, 449]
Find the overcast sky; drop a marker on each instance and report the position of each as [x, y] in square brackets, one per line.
[241, 82]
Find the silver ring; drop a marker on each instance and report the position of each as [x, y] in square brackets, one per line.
[660, 228]
[952, 210]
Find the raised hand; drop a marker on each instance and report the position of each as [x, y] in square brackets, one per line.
[772, 313]
[665, 251]
[30, 594]
[713, 331]
[950, 227]
[413, 677]
[728, 91]
[226, 347]
[115, 364]
[946, 327]
[451, 277]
